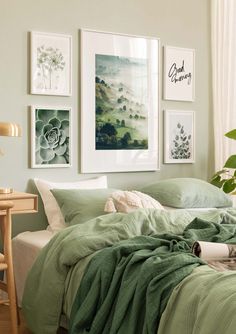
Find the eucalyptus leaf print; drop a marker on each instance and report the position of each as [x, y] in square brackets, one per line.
[181, 144]
[52, 137]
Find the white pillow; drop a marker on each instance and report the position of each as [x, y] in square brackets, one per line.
[129, 201]
[52, 210]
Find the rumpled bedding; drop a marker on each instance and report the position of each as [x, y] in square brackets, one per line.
[53, 276]
[203, 303]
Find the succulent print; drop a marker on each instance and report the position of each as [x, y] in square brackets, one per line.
[49, 61]
[181, 144]
[52, 136]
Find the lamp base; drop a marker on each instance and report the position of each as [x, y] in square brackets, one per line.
[6, 190]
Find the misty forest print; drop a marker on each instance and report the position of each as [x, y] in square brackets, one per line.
[121, 103]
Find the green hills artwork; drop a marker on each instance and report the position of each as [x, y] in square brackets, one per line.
[121, 103]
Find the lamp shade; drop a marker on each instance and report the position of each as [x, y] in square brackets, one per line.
[10, 129]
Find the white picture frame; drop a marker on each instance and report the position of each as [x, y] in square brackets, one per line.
[129, 66]
[50, 136]
[51, 64]
[179, 136]
[179, 74]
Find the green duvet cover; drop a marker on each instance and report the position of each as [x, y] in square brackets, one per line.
[203, 303]
[126, 285]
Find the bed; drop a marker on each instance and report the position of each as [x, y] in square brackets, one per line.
[25, 247]
[76, 275]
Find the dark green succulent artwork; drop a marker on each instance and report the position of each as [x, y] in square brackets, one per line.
[52, 137]
[181, 144]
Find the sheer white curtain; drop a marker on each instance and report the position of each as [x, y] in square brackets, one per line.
[223, 24]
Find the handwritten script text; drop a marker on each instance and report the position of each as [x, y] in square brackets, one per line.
[177, 74]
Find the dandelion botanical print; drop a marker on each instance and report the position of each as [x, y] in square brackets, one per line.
[50, 64]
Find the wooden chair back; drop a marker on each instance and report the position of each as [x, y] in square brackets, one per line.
[6, 264]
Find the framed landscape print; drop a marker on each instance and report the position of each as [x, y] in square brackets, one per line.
[119, 121]
[51, 63]
[50, 137]
[179, 74]
[179, 136]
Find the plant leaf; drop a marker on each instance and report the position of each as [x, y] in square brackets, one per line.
[231, 162]
[55, 122]
[63, 137]
[229, 186]
[222, 171]
[47, 154]
[38, 159]
[63, 114]
[65, 127]
[43, 142]
[38, 127]
[57, 160]
[217, 181]
[231, 134]
[45, 114]
[37, 144]
[60, 150]
[47, 128]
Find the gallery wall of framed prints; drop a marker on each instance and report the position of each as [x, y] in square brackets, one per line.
[120, 98]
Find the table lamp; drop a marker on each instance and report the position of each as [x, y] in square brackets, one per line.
[10, 130]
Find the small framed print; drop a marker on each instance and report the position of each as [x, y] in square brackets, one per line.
[179, 136]
[179, 74]
[50, 137]
[51, 64]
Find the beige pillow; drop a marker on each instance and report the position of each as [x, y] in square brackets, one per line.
[128, 201]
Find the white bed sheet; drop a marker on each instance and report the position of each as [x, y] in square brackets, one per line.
[26, 246]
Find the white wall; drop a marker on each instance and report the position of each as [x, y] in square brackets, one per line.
[183, 23]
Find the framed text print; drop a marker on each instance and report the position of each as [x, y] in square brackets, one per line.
[179, 74]
[50, 137]
[119, 121]
[51, 63]
[179, 136]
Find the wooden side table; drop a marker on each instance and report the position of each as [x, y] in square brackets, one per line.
[23, 202]
[14, 203]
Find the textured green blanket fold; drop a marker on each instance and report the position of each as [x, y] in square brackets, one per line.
[126, 287]
[203, 303]
[45, 287]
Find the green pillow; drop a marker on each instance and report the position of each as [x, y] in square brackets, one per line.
[187, 193]
[80, 205]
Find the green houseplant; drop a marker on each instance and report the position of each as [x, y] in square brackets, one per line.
[226, 178]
